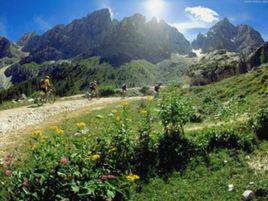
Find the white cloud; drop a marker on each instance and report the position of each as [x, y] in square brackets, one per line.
[203, 14]
[43, 24]
[190, 24]
[197, 18]
[3, 29]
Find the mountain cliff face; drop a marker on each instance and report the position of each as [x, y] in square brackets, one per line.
[115, 41]
[9, 52]
[224, 35]
[259, 56]
[25, 38]
[80, 36]
[5, 46]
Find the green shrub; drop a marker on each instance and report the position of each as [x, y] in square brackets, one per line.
[133, 92]
[231, 138]
[173, 152]
[145, 158]
[210, 105]
[145, 90]
[105, 91]
[260, 123]
[196, 116]
[175, 112]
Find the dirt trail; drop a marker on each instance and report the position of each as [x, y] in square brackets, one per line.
[242, 118]
[16, 123]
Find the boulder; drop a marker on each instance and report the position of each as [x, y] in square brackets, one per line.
[230, 187]
[248, 195]
[216, 66]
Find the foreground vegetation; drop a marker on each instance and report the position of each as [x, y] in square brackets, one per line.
[148, 150]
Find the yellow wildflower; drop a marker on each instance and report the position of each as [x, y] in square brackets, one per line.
[124, 103]
[57, 130]
[112, 150]
[115, 111]
[95, 157]
[132, 177]
[53, 128]
[37, 133]
[81, 125]
[150, 99]
[143, 112]
[42, 138]
[33, 147]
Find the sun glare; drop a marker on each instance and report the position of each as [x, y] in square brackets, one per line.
[155, 7]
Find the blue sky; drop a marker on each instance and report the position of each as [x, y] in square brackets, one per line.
[189, 16]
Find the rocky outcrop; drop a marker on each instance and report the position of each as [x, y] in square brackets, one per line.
[46, 54]
[258, 57]
[25, 38]
[19, 73]
[224, 35]
[115, 41]
[215, 66]
[5, 48]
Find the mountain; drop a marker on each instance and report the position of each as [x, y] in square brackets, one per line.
[114, 41]
[25, 38]
[224, 35]
[9, 52]
[216, 66]
[5, 48]
[259, 56]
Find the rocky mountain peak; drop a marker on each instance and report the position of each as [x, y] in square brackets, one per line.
[225, 20]
[102, 13]
[25, 38]
[224, 35]
[135, 20]
[224, 26]
[153, 21]
[116, 41]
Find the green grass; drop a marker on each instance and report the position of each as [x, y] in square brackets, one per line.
[206, 179]
[9, 105]
[252, 85]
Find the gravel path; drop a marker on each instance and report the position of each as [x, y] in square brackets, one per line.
[14, 121]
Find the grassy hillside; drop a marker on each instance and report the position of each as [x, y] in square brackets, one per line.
[187, 145]
[171, 70]
[249, 88]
